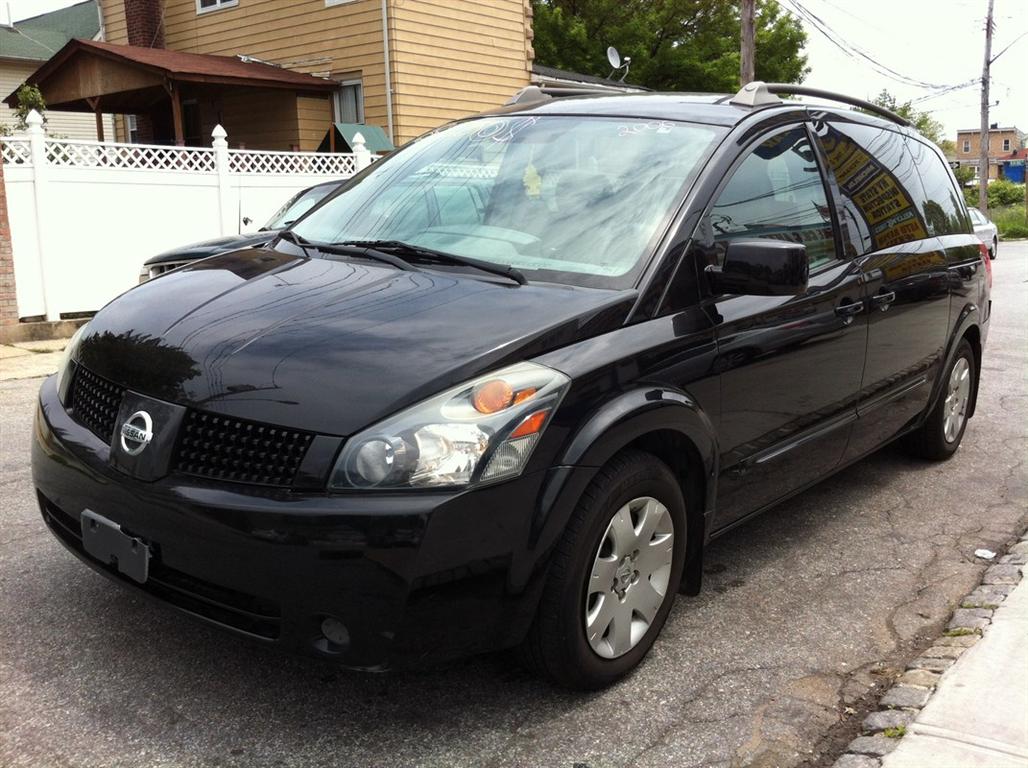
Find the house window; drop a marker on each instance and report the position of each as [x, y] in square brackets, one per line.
[203, 6]
[132, 126]
[1006, 145]
[348, 102]
[967, 145]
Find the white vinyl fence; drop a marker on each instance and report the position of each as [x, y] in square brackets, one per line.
[85, 215]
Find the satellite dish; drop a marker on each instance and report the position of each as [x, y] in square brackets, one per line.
[613, 57]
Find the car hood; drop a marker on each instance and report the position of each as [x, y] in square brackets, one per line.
[329, 346]
[207, 248]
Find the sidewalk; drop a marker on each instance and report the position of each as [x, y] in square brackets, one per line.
[29, 359]
[978, 715]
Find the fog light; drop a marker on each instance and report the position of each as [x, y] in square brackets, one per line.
[335, 631]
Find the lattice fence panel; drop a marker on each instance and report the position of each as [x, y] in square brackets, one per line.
[75, 154]
[15, 151]
[253, 161]
[461, 170]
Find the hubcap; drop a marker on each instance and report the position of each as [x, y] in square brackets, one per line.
[957, 396]
[629, 578]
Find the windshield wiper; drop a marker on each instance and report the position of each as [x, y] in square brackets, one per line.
[298, 240]
[409, 250]
[346, 249]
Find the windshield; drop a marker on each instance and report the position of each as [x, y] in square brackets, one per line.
[298, 205]
[566, 199]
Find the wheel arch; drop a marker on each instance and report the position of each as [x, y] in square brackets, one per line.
[665, 422]
[967, 326]
[973, 334]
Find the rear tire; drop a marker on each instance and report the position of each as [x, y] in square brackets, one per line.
[939, 437]
[613, 575]
[995, 248]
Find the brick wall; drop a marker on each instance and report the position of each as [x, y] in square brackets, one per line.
[8, 299]
[996, 139]
[144, 20]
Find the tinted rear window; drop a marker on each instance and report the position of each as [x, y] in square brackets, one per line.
[941, 206]
[882, 194]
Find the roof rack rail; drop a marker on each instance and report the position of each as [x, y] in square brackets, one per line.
[759, 94]
[533, 93]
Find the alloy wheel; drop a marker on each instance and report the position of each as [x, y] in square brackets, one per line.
[629, 578]
[957, 398]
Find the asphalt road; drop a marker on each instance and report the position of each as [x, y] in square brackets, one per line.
[804, 611]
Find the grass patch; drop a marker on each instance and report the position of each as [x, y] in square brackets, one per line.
[1010, 220]
[895, 733]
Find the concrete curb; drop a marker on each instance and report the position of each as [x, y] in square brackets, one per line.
[900, 705]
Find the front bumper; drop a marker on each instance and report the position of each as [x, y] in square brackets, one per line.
[413, 577]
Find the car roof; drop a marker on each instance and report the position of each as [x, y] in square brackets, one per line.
[709, 108]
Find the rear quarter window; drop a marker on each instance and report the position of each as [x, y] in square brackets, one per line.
[881, 192]
[942, 208]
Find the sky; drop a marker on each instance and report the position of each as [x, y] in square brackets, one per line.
[940, 42]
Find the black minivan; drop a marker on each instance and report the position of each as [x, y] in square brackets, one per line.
[502, 387]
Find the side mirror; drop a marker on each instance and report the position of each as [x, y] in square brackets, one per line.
[761, 268]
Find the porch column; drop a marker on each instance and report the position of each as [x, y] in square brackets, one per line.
[94, 104]
[176, 113]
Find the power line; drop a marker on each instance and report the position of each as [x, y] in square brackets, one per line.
[958, 87]
[853, 51]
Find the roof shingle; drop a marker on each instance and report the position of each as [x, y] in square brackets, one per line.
[40, 37]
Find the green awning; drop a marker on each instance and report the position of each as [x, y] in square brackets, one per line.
[375, 138]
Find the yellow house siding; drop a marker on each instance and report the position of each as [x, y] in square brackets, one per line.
[277, 126]
[115, 28]
[303, 35]
[313, 114]
[71, 125]
[453, 58]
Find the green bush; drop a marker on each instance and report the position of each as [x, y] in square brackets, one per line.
[1003, 192]
[1015, 231]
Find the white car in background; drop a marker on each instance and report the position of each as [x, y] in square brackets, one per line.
[986, 230]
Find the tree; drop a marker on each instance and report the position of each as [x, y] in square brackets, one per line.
[29, 98]
[685, 45]
[964, 175]
[925, 124]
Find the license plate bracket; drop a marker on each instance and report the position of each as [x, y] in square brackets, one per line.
[104, 540]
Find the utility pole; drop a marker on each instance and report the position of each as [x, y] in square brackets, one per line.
[747, 57]
[983, 136]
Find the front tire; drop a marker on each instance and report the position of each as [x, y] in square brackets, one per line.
[939, 437]
[613, 576]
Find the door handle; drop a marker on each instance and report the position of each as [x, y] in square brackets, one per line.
[883, 300]
[850, 309]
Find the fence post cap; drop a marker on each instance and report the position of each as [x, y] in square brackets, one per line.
[33, 118]
[358, 140]
[219, 132]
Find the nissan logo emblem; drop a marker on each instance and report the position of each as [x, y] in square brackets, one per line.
[136, 433]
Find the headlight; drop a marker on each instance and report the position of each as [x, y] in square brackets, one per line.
[69, 354]
[482, 431]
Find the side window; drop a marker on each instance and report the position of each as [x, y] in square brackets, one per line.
[941, 207]
[778, 193]
[878, 183]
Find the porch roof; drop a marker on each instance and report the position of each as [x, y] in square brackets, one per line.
[84, 72]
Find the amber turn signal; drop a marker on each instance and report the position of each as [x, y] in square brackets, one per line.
[531, 425]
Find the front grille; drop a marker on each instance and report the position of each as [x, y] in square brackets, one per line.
[238, 610]
[95, 402]
[239, 451]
